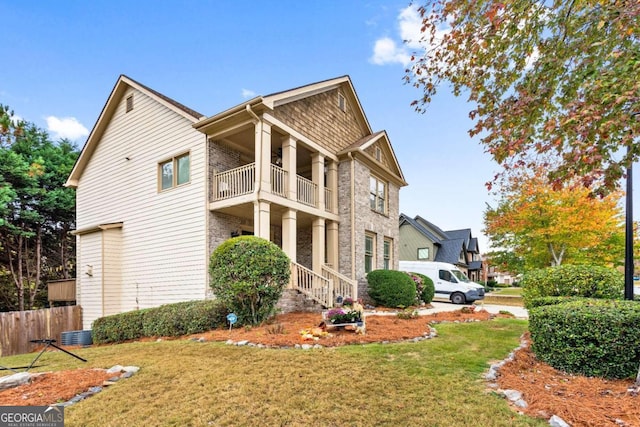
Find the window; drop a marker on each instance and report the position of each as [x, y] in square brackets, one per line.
[129, 103]
[388, 249]
[378, 195]
[174, 172]
[369, 252]
[423, 253]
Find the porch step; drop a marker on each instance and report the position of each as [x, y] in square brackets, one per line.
[293, 300]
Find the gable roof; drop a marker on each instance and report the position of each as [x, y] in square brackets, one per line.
[442, 235]
[118, 91]
[382, 139]
[450, 251]
[425, 232]
[260, 104]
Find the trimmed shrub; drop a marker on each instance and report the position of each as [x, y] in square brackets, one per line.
[184, 318]
[424, 287]
[248, 274]
[590, 337]
[542, 301]
[168, 320]
[118, 327]
[573, 280]
[390, 288]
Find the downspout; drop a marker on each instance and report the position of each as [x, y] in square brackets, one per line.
[353, 218]
[258, 164]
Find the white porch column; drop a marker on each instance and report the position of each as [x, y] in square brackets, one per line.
[263, 156]
[333, 256]
[318, 244]
[332, 184]
[262, 219]
[317, 176]
[289, 233]
[289, 146]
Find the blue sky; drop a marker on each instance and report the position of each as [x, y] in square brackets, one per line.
[61, 60]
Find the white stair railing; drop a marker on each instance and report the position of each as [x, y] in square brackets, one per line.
[316, 287]
[342, 285]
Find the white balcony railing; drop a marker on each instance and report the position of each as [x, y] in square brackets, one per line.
[328, 200]
[307, 191]
[239, 181]
[234, 182]
[278, 181]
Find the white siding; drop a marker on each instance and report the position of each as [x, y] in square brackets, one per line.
[163, 255]
[112, 270]
[89, 277]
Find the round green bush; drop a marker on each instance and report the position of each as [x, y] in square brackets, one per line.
[572, 280]
[592, 337]
[390, 288]
[248, 274]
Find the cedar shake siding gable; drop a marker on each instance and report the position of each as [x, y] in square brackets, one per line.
[319, 118]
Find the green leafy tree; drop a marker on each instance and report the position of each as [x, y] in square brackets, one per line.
[37, 210]
[550, 83]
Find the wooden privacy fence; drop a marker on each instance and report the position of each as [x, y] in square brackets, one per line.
[17, 328]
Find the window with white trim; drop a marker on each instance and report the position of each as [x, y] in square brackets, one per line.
[388, 253]
[369, 252]
[174, 172]
[378, 195]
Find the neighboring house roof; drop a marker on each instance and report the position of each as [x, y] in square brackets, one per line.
[428, 234]
[107, 112]
[473, 245]
[475, 265]
[436, 230]
[450, 251]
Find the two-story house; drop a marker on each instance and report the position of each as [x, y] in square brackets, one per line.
[159, 186]
[421, 240]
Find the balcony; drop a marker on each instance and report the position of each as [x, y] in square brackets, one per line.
[242, 180]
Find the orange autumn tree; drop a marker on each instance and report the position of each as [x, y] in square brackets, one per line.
[536, 226]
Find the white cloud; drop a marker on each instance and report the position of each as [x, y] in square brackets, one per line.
[410, 23]
[66, 127]
[386, 51]
[247, 93]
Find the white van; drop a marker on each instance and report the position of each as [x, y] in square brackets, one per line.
[450, 283]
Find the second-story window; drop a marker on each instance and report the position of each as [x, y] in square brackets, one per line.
[378, 195]
[174, 172]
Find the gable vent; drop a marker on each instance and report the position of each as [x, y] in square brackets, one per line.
[129, 103]
[342, 103]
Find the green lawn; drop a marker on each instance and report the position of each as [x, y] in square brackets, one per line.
[508, 291]
[185, 383]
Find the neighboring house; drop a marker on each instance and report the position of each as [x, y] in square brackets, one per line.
[421, 240]
[493, 273]
[159, 186]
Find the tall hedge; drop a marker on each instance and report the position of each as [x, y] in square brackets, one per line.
[390, 288]
[589, 337]
[248, 274]
[573, 280]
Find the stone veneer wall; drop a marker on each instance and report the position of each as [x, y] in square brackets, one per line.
[304, 249]
[319, 118]
[293, 300]
[366, 220]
